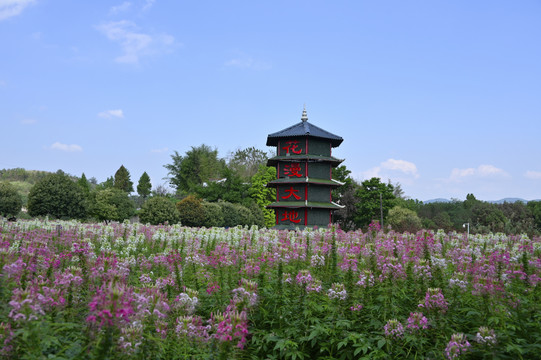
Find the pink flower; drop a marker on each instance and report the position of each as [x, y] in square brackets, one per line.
[112, 304]
[304, 277]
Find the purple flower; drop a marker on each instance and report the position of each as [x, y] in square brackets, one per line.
[417, 321]
[394, 329]
[434, 300]
[457, 346]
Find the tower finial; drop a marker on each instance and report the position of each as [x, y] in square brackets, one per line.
[304, 116]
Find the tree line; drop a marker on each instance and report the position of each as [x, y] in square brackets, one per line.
[211, 191]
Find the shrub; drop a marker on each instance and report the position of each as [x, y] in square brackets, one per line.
[111, 204]
[158, 210]
[57, 195]
[191, 211]
[402, 219]
[10, 201]
[236, 214]
[258, 217]
[214, 216]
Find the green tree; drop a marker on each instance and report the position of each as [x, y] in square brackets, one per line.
[107, 184]
[374, 197]
[122, 180]
[402, 219]
[246, 162]
[111, 204]
[535, 209]
[144, 186]
[262, 194]
[57, 195]
[191, 210]
[230, 188]
[487, 217]
[84, 185]
[159, 210]
[345, 195]
[10, 201]
[200, 165]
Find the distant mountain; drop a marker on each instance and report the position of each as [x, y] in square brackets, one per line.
[508, 200]
[438, 200]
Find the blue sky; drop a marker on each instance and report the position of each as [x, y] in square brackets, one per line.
[440, 96]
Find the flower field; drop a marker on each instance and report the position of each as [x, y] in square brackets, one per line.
[71, 290]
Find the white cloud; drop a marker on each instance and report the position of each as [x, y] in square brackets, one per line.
[28, 121]
[392, 167]
[458, 175]
[162, 150]
[148, 4]
[66, 147]
[535, 175]
[109, 114]
[9, 8]
[401, 165]
[135, 44]
[246, 62]
[125, 6]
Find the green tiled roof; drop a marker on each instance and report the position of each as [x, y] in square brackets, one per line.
[304, 180]
[304, 204]
[334, 161]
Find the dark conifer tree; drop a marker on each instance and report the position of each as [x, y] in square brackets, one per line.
[122, 180]
[144, 186]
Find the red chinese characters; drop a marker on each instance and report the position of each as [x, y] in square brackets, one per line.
[291, 192]
[291, 215]
[293, 147]
[293, 169]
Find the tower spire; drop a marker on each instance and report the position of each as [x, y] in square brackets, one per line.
[304, 116]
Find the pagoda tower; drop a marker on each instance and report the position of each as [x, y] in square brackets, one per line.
[304, 181]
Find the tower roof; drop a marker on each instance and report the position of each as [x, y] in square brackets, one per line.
[304, 128]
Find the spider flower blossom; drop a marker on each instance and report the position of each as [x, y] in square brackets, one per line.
[304, 277]
[25, 305]
[394, 329]
[434, 300]
[245, 294]
[317, 260]
[232, 325]
[192, 327]
[486, 336]
[314, 286]
[6, 336]
[150, 301]
[417, 321]
[112, 302]
[130, 337]
[337, 291]
[457, 346]
[187, 301]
